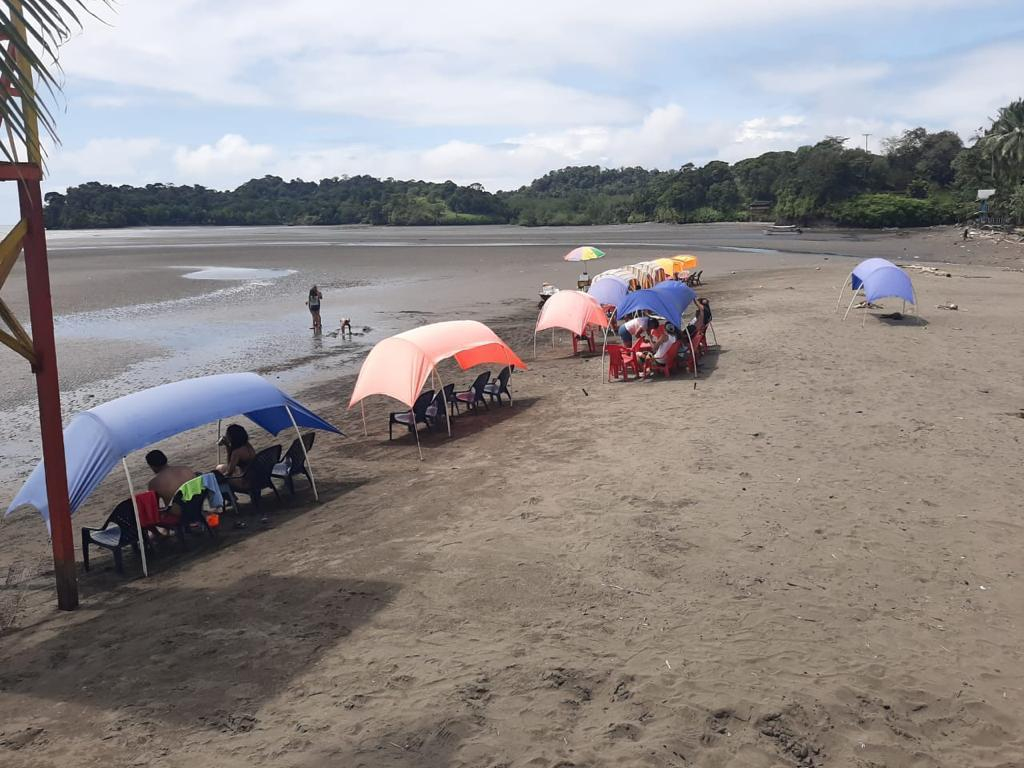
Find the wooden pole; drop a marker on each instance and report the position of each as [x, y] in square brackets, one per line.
[37, 276]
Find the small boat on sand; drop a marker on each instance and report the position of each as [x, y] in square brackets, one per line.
[782, 229]
[547, 290]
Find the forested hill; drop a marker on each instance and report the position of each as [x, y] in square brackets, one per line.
[922, 178]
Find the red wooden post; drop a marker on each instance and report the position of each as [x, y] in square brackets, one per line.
[41, 314]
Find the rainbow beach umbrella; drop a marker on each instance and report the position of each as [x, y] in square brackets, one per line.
[584, 253]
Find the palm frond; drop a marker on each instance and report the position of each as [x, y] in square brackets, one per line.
[33, 31]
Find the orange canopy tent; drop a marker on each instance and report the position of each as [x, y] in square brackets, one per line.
[572, 310]
[400, 365]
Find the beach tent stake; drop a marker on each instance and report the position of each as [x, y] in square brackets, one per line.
[412, 415]
[138, 520]
[842, 290]
[305, 454]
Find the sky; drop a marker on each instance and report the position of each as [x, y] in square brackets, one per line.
[216, 92]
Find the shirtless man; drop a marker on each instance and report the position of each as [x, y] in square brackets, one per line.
[168, 477]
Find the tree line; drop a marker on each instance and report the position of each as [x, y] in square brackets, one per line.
[920, 178]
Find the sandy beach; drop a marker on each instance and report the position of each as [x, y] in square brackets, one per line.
[809, 556]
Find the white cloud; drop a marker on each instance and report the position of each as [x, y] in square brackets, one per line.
[963, 91]
[112, 160]
[807, 79]
[230, 157]
[422, 63]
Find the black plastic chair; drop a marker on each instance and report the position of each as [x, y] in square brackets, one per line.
[475, 393]
[500, 386]
[118, 531]
[437, 411]
[189, 513]
[418, 415]
[258, 475]
[294, 462]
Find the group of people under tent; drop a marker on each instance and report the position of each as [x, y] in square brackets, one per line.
[169, 478]
[661, 336]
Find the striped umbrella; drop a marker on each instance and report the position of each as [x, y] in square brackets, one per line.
[584, 253]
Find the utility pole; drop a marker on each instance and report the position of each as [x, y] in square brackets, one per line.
[866, 137]
[29, 235]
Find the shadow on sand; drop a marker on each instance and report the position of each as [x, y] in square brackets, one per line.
[169, 556]
[205, 657]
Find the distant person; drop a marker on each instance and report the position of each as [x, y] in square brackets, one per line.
[313, 303]
[967, 233]
[168, 477]
[240, 456]
[346, 325]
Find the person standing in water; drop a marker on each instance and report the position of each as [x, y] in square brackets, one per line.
[314, 307]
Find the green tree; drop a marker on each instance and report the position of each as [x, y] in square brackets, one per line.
[1004, 142]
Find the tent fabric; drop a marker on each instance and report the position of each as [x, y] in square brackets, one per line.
[400, 365]
[611, 290]
[685, 261]
[97, 439]
[683, 293]
[865, 268]
[888, 282]
[668, 299]
[671, 266]
[573, 311]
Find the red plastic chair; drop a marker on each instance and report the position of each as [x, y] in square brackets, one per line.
[668, 365]
[620, 361]
[588, 337]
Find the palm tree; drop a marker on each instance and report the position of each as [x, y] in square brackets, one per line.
[1004, 142]
[32, 30]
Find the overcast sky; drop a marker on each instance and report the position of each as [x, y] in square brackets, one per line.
[216, 92]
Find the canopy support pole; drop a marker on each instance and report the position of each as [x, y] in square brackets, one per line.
[604, 349]
[138, 520]
[362, 410]
[535, 345]
[305, 454]
[440, 388]
[714, 336]
[218, 441]
[412, 415]
[842, 290]
[693, 352]
[851, 305]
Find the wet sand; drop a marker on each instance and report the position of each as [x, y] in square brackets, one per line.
[810, 557]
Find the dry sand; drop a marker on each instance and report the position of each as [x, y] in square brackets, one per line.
[810, 557]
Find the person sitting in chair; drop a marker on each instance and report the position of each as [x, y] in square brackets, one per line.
[168, 477]
[240, 455]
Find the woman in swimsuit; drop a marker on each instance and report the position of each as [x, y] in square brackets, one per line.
[240, 455]
[314, 307]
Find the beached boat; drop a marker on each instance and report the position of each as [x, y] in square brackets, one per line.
[782, 229]
[547, 290]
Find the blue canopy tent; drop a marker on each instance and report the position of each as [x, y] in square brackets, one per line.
[610, 290]
[668, 299]
[878, 279]
[97, 439]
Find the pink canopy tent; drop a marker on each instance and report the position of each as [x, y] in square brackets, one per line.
[399, 366]
[572, 310]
